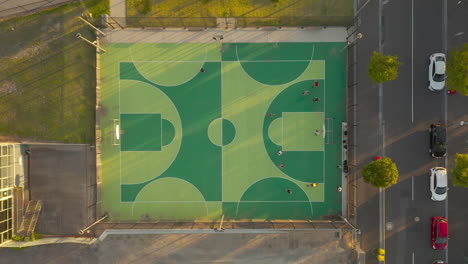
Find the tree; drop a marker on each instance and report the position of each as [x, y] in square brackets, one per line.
[457, 70]
[460, 172]
[383, 68]
[381, 173]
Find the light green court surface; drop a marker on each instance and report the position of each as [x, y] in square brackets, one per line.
[230, 139]
[303, 131]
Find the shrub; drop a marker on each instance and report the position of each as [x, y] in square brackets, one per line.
[381, 173]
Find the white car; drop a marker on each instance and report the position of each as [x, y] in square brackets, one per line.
[438, 183]
[437, 72]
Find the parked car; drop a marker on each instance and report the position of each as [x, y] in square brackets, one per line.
[437, 72]
[439, 262]
[438, 184]
[439, 234]
[438, 140]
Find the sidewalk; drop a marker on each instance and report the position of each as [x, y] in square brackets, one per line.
[11, 8]
[118, 8]
[49, 240]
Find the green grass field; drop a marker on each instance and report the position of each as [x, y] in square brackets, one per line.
[230, 139]
[47, 88]
[291, 12]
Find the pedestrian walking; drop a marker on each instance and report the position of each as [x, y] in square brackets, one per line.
[289, 191]
[280, 152]
[317, 132]
[281, 166]
[271, 115]
[316, 100]
[306, 92]
[202, 70]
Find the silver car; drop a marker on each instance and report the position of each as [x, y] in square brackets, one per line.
[437, 72]
[438, 184]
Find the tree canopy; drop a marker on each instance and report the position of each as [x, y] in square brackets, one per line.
[381, 173]
[457, 70]
[460, 172]
[383, 68]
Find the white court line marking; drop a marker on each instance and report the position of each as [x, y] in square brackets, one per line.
[120, 147]
[324, 118]
[235, 60]
[222, 117]
[282, 131]
[225, 202]
[165, 85]
[153, 181]
[412, 61]
[288, 83]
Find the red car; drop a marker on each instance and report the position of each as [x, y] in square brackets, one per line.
[439, 232]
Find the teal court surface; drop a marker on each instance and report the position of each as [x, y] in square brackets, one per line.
[194, 131]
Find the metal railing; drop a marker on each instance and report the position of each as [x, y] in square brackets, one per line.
[241, 22]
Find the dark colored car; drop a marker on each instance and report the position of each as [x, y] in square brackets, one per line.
[439, 233]
[438, 140]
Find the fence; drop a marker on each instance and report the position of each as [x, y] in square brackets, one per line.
[337, 224]
[240, 22]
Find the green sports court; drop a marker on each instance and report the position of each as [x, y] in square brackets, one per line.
[194, 131]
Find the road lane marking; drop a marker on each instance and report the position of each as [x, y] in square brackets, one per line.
[412, 61]
[444, 13]
[412, 188]
[413, 257]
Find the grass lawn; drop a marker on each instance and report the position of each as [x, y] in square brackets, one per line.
[48, 80]
[239, 8]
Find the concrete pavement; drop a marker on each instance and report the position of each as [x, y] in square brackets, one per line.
[312, 246]
[11, 8]
[312, 34]
[49, 240]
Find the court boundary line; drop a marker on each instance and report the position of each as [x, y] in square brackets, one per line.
[224, 202]
[324, 117]
[119, 149]
[230, 61]
[222, 117]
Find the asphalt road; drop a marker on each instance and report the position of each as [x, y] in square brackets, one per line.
[412, 30]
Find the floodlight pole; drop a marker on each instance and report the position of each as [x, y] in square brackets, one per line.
[94, 43]
[91, 25]
[362, 7]
[82, 231]
[358, 37]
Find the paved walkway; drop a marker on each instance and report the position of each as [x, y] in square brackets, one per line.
[49, 240]
[11, 8]
[312, 34]
[118, 8]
